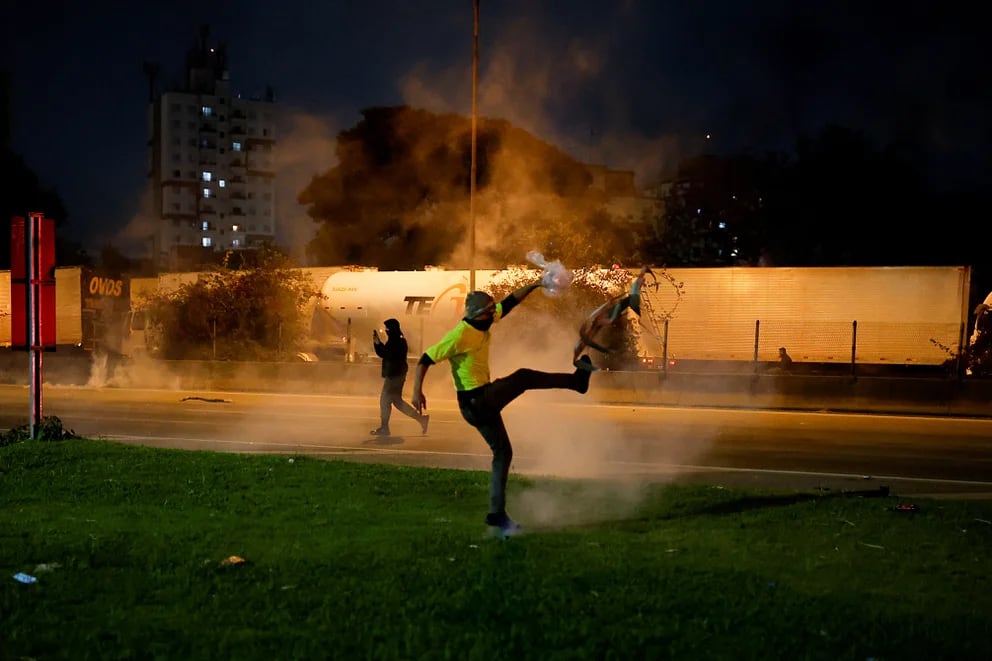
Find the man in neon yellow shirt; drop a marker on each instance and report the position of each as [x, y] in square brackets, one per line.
[480, 400]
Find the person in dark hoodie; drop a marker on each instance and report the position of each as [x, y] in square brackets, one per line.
[394, 368]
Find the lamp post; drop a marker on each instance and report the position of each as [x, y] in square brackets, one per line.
[471, 186]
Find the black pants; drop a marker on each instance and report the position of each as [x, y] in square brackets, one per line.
[392, 395]
[481, 407]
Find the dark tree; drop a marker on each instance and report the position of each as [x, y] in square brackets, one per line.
[838, 202]
[399, 196]
[22, 193]
[714, 212]
[847, 203]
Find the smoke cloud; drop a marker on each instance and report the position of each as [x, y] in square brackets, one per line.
[305, 148]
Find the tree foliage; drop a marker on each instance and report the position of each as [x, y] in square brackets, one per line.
[399, 197]
[254, 314]
[22, 193]
[837, 201]
[715, 213]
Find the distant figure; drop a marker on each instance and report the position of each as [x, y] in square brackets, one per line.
[784, 360]
[394, 368]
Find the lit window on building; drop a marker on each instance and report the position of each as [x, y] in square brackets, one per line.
[205, 225]
[236, 243]
[722, 225]
[207, 176]
[235, 228]
[206, 241]
[222, 183]
[235, 146]
[206, 192]
[207, 111]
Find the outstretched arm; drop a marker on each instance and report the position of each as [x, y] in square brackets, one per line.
[418, 400]
[517, 296]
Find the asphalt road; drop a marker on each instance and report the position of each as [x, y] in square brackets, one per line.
[555, 434]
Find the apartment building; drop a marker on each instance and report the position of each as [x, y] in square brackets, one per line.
[210, 162]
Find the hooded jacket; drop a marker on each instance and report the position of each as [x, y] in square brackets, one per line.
[393, 353]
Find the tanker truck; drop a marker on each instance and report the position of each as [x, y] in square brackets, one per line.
[426, 303]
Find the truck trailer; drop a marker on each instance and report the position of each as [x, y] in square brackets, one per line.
[867, 315]
[883, 316]
[93, 312]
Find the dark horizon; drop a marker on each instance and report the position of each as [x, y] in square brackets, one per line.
[633, 85]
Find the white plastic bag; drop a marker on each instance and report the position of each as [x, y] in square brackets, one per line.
[556, 278]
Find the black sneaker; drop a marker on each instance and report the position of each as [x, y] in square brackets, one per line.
[424, 421]
[584, 363]
[380, 432]
[583, 370]
[505, 526]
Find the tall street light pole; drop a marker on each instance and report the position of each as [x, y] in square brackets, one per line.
[471, 186]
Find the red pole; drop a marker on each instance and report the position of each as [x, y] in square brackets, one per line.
[34, 319]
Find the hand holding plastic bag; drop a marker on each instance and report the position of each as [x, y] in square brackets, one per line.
[556, 278]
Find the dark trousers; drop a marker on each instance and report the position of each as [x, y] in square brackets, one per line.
[392, 395]
[481, 408]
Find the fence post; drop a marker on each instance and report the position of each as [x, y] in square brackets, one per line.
[757, 333]
[854, 347]
[964, 352]
[349, 357]
[664, 351]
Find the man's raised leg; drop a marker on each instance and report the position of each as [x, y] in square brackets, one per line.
[504, 390]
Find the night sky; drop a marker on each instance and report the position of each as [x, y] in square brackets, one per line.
[634, 84]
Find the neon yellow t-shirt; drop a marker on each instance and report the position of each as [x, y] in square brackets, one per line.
[467, 349]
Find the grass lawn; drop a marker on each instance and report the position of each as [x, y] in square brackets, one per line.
[350, 560]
